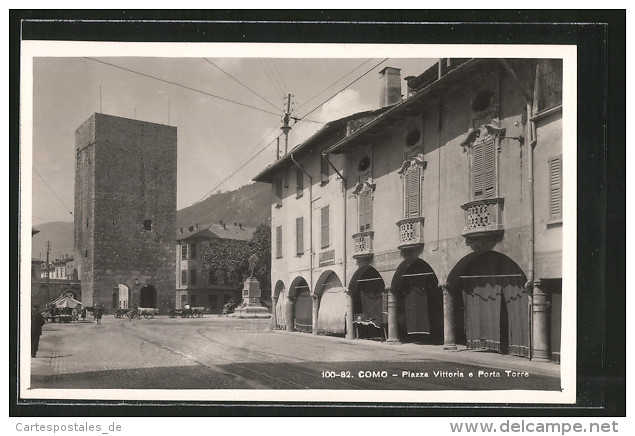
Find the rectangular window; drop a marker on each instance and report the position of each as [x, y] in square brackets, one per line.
[484, 170]
[365, 209]
[325, 227]
[324, 169]
[549, 77]
[211, 278]
[277, 185]
[412, 193]
[299, 183]
[555, 188]
[193, 251]
[278, 242]
[184, 252]
[193, 276]
[184, 277]
[299, 233]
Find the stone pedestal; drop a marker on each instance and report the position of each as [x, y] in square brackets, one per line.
[251, 307]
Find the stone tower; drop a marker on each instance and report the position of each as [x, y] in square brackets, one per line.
[125, 212]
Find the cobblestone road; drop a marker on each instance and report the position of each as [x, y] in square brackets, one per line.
[228, 353]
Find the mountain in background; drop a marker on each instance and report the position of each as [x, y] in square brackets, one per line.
[249, 205]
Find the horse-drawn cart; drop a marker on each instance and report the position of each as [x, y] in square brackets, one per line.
[187, 312]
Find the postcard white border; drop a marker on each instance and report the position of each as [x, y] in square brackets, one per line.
[32, 49]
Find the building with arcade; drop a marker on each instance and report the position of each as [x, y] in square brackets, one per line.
[436, 218]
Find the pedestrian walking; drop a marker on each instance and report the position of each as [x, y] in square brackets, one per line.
[75, 315]
[97, 313]
[37, 321]
[83, 314]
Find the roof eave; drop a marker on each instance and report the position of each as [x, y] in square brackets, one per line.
[341, 146]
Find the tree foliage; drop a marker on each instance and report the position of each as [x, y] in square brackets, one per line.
[228, 259]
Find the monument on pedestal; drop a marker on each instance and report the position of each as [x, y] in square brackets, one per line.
[251, 306]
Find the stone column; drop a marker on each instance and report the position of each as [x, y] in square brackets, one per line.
[290, 316]
[449, 341]
[315, 307]
[274, 320]
[541, 311]
[350, 334]
[393, 323]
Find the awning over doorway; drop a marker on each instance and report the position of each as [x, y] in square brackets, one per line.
[332, 313]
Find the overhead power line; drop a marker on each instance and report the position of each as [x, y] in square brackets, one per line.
[242, 84]
[233, 173]
[183, 86]
[334, 83]
[53, 191]
[351, 83]
[300, 119]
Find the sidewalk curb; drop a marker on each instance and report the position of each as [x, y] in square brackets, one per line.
[436, 352]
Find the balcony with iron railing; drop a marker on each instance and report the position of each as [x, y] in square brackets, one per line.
[363, 244]
[483, 217]
[410, 232]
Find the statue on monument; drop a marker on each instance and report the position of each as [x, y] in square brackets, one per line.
[253, 261]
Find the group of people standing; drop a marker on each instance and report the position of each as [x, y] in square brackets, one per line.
[38, 320]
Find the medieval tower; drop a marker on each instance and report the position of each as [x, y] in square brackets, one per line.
[125, 212]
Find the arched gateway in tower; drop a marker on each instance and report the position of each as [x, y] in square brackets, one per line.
[125, 210]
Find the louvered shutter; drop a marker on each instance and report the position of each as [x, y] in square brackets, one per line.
[299, 182]
[278, 191]
[365, 211]
[477, 168]
[489, 169]
[413, 193]
[279, 241]
[299, 226]
[325, 227]
[555, 188]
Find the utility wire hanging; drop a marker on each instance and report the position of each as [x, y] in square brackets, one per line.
[334, 83]
[242, 84]
[51, 189]
[297, 120]
[354, 81]
[183, 86]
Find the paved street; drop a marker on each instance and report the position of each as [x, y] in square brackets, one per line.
[228, 353]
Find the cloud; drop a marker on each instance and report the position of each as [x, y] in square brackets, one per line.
[345, 103]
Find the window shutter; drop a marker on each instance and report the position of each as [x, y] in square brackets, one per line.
[489, 169]
[413, 193]
[477, 150]
[299, 226]
[365, 211]
[325, 227]
[299, 182]
[555, 188]
[184, 277]
[324, 169]
[278, 191]
[279, 242]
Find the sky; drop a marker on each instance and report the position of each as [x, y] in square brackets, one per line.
[215, 136]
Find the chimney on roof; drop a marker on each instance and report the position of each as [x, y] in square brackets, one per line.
[196, 226]
[224, 226]
[240, 226]
[390, 92]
